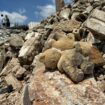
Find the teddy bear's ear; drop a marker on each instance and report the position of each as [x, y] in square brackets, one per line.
[42, 58]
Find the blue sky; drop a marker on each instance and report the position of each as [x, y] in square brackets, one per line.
[25, 11]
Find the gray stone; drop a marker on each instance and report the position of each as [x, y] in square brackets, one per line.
[16, 41]
[96, 23]
[13, 67]
[89, 9]
[2, 59]
[25, 100]
[28, 49]
[91, 39]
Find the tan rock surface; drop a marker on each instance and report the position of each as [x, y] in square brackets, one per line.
[54, 88]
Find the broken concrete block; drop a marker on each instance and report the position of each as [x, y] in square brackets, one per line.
[96, 23]
[91, 39]
[20, 72]
[8, 67]
[32, 34]
[29, 35]
[74, 15]
[14, 67]
[11, 80]
[16, 41]
[28, 49]
[25, 99]
[89, 9]
[65, 13]
[57, 34]
[67, 26]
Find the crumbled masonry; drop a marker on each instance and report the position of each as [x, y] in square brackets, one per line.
[60, 61]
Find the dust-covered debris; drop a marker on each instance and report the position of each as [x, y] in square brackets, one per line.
[59, 61]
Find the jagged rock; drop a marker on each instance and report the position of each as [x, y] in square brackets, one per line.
[67, 26]
[11, 80]
[14, 67]
[20, 72]
[55, 88]
[25, 100]
[16, 41]
[89, 9]
[57, 34]
[32, 34]
[50, 58]
[29, 35]
[27, 51]
[74, 15]
[2, 59]
[90, 38]
[65, 13]
[96, 23]
[11, 99]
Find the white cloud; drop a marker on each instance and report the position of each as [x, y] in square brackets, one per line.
[22, 11]
[45, 11]
[14, 17]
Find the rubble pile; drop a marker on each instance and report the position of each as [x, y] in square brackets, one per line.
[60, 61]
